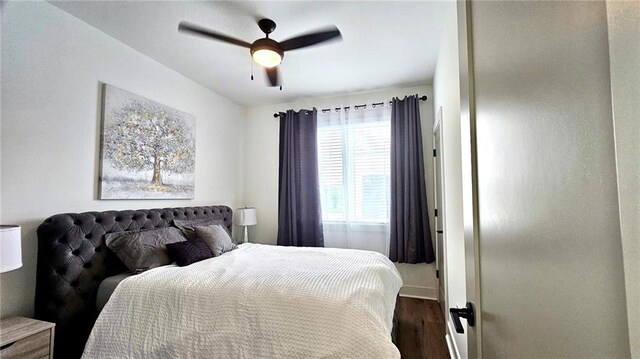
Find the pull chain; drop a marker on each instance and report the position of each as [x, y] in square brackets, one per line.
[251, 70]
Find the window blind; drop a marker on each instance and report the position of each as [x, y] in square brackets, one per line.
[354, 162]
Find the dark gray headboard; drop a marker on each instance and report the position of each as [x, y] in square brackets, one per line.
[73, 259]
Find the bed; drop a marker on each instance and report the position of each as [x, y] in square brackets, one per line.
[255, 301]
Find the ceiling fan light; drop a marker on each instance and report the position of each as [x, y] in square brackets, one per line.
[267, 58]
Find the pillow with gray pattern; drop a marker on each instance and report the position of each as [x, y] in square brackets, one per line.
[216, 238]
[187, 225]
[144, 249]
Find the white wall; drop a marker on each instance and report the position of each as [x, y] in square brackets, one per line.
[623, 19]
[551, 271]
[52, 67]
[261, 170]
[446, 96]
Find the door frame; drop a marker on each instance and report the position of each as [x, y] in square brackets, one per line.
[469, 174]
[439, 154]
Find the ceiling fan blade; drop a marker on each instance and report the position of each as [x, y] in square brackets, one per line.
[199, 30]
[273, 76]
[310, 39]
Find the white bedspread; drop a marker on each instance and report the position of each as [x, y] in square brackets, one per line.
[257, 301]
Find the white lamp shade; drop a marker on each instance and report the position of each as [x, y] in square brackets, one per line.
[245, 217]
[10, 248]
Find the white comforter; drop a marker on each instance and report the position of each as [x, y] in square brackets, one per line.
[257, 301]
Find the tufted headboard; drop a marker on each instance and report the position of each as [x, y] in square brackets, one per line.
[73, 259]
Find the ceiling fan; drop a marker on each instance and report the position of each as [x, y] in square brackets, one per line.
[267, 52]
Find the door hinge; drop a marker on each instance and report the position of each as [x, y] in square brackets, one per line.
[437, 273]
[436, 212]
[434, 152]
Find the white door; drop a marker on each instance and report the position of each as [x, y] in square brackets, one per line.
[542, 230]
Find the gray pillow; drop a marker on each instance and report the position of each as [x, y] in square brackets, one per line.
[144, 249]
[216, 238]
[187, 225]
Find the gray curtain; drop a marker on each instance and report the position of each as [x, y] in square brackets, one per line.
[409, 223]
[299, 212]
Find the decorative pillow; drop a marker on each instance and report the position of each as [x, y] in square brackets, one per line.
[187, 225]
[216, 238]
[144, 249]
[185, 253]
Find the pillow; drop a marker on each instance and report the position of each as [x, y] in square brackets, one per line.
[144, 249]
[185, 253]
[216, 238]
[186, 225]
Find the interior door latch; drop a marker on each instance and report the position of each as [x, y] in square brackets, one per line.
[466, 313]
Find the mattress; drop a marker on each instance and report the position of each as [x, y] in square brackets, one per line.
[257, 301]
[106, 288]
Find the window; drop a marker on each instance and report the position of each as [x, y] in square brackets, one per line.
[353, 159]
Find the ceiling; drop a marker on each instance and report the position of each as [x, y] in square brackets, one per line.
[384, 43]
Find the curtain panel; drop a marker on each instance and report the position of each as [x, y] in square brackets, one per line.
[299, 212]
[410, 234]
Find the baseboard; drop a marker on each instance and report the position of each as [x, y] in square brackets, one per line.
[419, 292]
[454, 353]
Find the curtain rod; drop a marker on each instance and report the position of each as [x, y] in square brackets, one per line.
[423, 98]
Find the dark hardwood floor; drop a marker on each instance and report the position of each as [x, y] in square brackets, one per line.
[421, 329]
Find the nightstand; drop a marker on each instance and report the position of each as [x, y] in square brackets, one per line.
[26, 338]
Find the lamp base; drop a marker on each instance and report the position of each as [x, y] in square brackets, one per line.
[245, 238]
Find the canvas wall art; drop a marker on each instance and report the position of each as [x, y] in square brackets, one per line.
[148, 149]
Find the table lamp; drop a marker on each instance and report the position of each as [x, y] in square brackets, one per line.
[10, 248]
[246, 217]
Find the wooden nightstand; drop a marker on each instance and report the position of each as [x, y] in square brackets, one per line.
[26, 338]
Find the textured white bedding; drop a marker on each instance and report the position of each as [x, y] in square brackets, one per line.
[257, 301]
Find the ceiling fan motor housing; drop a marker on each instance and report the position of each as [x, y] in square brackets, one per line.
[266, 44]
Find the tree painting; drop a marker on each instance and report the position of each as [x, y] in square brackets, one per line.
[148, 149]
